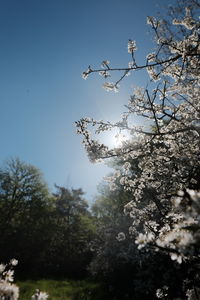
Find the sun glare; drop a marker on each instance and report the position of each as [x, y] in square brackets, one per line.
[119, 139]
[116, 139]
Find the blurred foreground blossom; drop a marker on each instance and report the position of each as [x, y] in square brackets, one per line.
[39, 295]
[8, 290]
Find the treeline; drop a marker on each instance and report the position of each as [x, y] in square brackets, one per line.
[57, 236]
[48, 233]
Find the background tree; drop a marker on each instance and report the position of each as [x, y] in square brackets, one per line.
[48, 234]
[128, 272]
[25, 205]
[73, 232]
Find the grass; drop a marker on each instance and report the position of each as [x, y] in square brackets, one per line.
[61, 290]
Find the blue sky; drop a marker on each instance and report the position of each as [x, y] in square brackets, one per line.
[45, 45]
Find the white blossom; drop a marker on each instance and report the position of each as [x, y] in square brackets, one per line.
[121, 236]
[177, 257]
[39, 295]
[193, 293]
[105, 63]
[127, 166]
[131, 64]
[9, 275]
[162, 293]
[152, 21]
[109, 86]
[86, 73]
[2, 268]
[104, 74]
[144, 239]
[131, 46]
[8, 291]
[14, 262]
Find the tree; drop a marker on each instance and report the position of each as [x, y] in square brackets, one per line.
[73, 232]
[20, 185]
[111, 224]
[115, 260]
[165, 154]
[48, 234]
[128, 272]
[25, 208]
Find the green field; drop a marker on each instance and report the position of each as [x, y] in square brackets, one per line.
[61, 290]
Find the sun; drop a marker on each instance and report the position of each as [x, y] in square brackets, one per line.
[115, 138]
[119, 139]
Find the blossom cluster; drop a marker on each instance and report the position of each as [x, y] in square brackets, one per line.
[8, 290]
